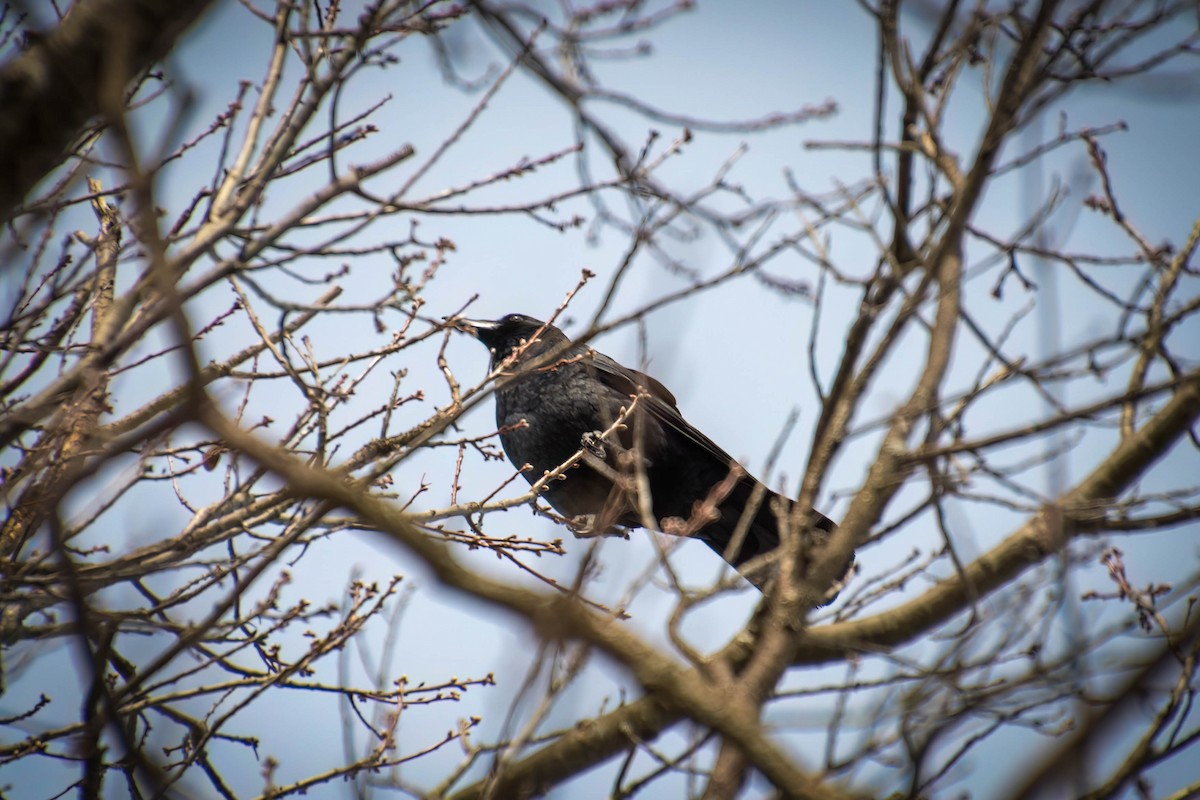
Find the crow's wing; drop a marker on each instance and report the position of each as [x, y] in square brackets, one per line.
[660, 403]
[763, 531]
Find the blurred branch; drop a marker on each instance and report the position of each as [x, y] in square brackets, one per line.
[49, 91]
[1042, 536]
[1107, 720]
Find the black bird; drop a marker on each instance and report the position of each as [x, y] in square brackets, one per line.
[562, 396]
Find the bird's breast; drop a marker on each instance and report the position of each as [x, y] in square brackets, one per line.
[558, 408]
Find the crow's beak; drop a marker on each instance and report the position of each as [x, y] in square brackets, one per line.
[479, 328]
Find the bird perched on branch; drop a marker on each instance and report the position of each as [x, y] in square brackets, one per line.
[631, 458]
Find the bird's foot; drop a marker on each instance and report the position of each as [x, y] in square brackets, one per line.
[585, 526]
[593, 442]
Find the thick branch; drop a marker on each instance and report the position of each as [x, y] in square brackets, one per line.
[52, 89]
[1043, 535]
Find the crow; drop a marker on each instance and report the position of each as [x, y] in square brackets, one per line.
[554, 403]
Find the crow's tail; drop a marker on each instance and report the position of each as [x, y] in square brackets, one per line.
[747, 532]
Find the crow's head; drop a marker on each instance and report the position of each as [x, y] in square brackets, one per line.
[503, 336]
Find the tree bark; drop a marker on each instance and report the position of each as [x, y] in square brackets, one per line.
[52, 89]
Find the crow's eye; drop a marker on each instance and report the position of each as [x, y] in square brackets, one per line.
[520, 321]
